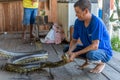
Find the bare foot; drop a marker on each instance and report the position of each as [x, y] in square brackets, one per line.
[99, 68]
[24, 36]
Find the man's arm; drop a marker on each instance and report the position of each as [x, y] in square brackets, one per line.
[72, 45]
[93, 46]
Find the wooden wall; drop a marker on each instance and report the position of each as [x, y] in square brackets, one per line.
[11, 15]
[53, 11]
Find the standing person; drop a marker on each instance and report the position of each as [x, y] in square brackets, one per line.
[94, 36]
[30, 13]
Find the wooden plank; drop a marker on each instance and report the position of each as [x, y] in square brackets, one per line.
[108, 73]
[116, 55]
[9, 46]
[13, 42]
[43, 74]
[67, 72]
[54, 10]
[6, 17]
[20, 6]
[105, 75]
[1, 20]
[1, 40]
[71, 67]
[83, 75]
[9, 76]
[58, 73]
[106, 12]
[11, 16]
[115, 64]
[38, 46]
[16, 45]
[111, 73]
[9, 43]
[4, 44]
[40, 75]
[91, 75]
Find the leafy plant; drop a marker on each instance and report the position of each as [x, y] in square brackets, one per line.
[115, 43]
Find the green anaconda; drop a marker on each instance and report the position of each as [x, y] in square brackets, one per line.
[24, 63]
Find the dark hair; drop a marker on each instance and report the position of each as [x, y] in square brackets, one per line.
[83, 4]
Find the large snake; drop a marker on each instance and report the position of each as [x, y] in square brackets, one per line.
[33, 61]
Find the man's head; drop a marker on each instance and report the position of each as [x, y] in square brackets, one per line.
[82, 9]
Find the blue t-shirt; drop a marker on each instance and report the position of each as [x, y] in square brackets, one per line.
[96, 30]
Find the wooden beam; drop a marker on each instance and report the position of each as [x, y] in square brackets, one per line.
[9, 0]
[52, 12]
[106, 12]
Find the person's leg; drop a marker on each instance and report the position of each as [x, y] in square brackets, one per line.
[98, 68]
[66, 48]
[82, 56]
[24, 32]
[78, 47]
[98, 55]
[32, 20]
[31, 28]
[26, 21]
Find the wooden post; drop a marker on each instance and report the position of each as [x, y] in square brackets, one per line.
[53, 10]
[106, 12]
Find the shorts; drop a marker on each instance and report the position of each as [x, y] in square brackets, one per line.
[29, 16]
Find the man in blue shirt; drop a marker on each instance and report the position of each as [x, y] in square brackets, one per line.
[95, 42]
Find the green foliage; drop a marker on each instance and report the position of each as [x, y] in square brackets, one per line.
[111, 18]
[115, 43]
[118, 8]
[117, 5]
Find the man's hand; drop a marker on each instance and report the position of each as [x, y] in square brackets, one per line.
[72, 56]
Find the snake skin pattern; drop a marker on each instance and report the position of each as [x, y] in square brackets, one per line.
[30, 62]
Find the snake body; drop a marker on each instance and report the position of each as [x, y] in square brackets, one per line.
[24, 63]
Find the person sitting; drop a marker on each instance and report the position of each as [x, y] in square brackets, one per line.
[94, 36]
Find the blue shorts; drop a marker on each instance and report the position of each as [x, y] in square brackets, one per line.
[94, 55]
[29, 16]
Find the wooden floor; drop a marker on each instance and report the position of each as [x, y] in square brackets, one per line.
[13, 42]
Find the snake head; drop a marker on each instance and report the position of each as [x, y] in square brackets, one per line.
[65, 58]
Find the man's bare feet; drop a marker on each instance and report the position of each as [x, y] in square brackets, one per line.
[99, 68]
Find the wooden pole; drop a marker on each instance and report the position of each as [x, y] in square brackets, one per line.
[106, 12]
